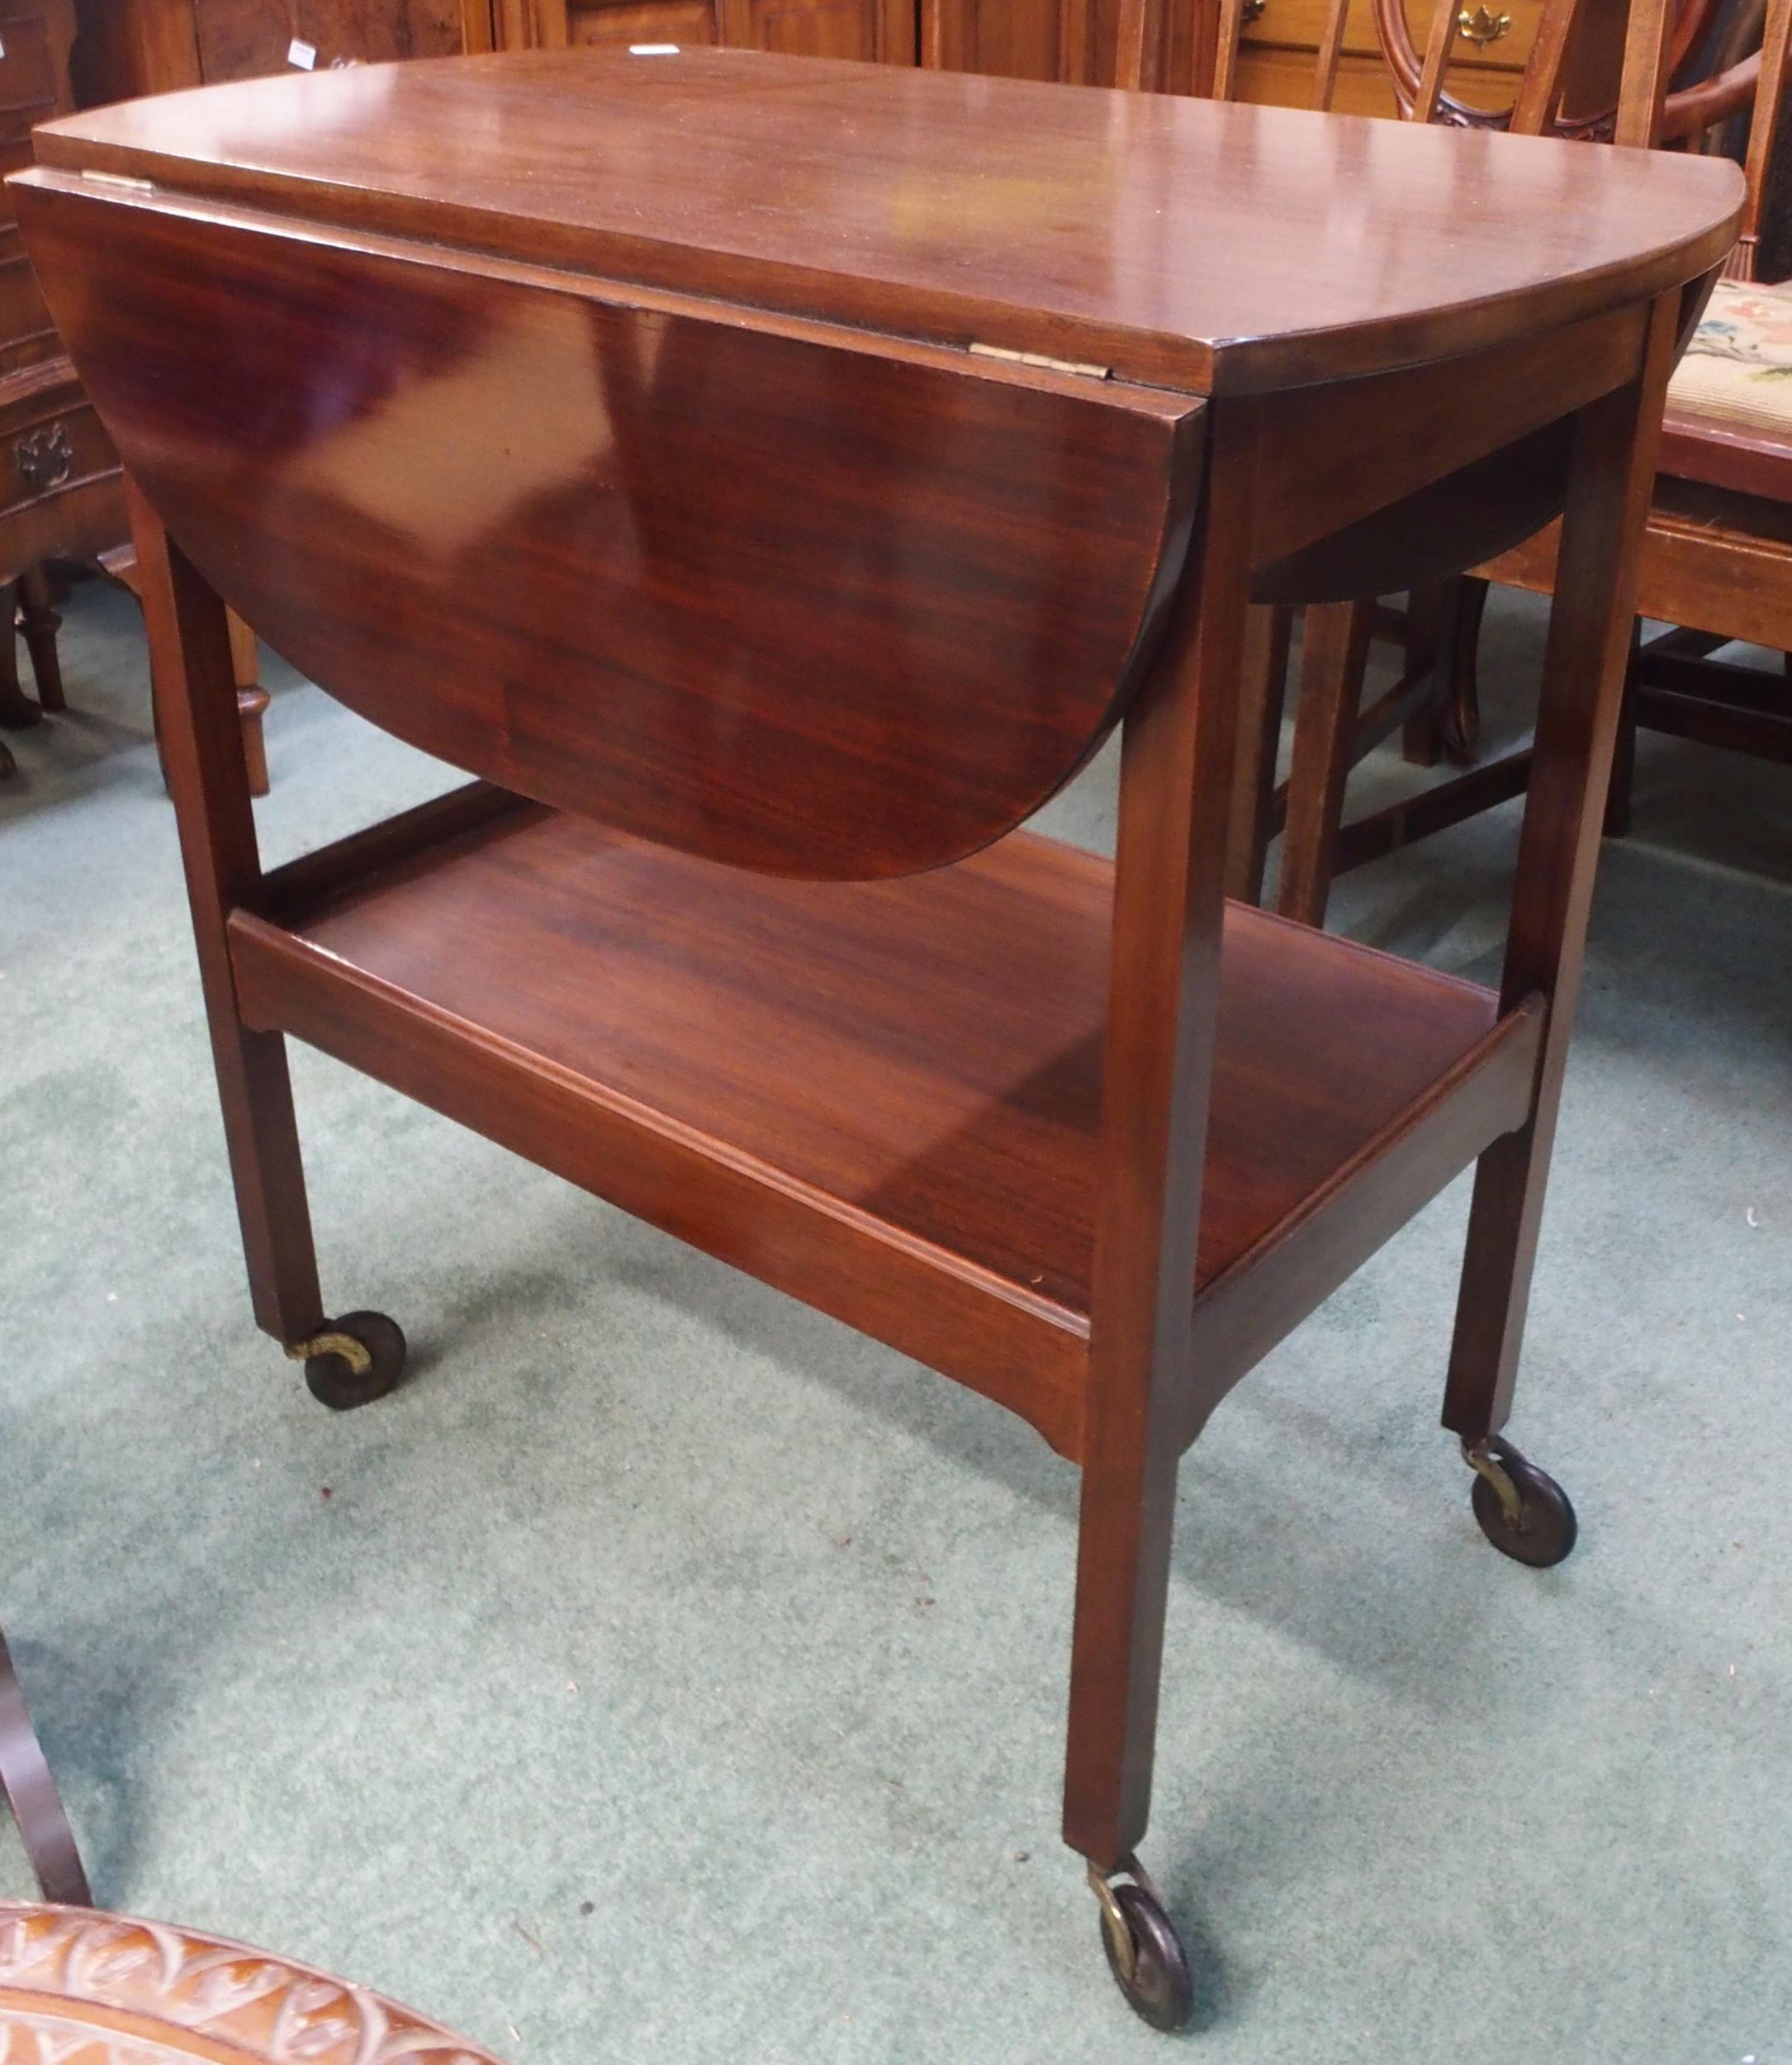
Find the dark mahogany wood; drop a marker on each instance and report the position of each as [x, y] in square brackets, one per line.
[862, 679]
[1189, 243]
[203, 760]
[1074, 1132]
[819, 1040]
[1571, 758]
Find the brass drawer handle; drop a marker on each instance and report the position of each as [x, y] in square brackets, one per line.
[1481, 27]
[45, 458]
[1252, 11]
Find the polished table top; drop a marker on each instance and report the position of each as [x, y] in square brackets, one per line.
[1198, 245]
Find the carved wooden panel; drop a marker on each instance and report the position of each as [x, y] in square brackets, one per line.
[81, 1988]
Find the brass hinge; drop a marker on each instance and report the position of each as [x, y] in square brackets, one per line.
[1039, 358]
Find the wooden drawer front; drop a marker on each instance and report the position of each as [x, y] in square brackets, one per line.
[1284, 78]
[1294, 27]
[808, 28]
[26, 333]
[656, 21]
[14, 157]
[44, 451]
[797, 28]
[22, 312]
[27, 75]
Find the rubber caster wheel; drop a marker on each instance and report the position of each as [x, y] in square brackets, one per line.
[1542, 1530]
[1150, 1967]
[353, 1360]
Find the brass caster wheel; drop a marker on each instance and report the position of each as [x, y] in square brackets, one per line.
[1145, 1954]
[1523, 1511]
[351, 1360]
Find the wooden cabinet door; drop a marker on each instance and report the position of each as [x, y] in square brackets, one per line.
[1017, 39]
[882, 30]
[131, 47]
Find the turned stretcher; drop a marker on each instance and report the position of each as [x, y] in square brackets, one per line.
[858, 448]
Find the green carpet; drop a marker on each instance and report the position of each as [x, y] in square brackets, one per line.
[665, 1673]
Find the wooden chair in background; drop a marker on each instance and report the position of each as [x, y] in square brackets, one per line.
[1717, 557]
[30, 1791]
[1589, 75]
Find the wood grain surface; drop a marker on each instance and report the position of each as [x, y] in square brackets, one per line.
[1208, 246]
[776, 599]
[920, 1057]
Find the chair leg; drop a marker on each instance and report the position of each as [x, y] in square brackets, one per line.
[40, 623]
[1333, 659]
[30, 1791]
[17, 710]
[1624, 765]
[252, 701]
[1268, 629]
[1459, 708]
[1443, 635]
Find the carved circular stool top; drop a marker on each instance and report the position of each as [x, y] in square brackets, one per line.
[81, 1988]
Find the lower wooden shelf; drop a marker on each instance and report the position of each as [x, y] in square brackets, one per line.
[897, 1084]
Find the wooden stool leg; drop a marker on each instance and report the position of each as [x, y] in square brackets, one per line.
[252, 700]
[1459, 698]
[1332, 660]
[1443, 636]
[39, 622]
[17, 710]
[30, 1791]
[1584, 669]
[1268, 629]
[195, 687]
[1177, 772]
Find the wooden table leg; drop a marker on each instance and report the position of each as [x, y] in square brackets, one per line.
[252, 701]
[1177, 770]
[1334, 656]
[194, 679]
[30, 1791]
[1584, 669]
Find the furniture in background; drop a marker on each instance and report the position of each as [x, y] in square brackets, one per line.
[60, 492]
[1001, 467]
[30, 1791]
[1435, 696]
[1716, 556]
[91, 1988]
